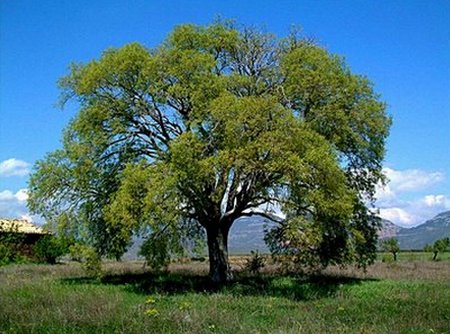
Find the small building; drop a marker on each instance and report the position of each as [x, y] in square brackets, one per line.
[22, 232]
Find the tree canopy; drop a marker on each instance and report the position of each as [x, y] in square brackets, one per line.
[439, 246]
[392, 246]
[218, 122]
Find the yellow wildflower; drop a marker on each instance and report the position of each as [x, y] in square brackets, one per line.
[184, 306]
[150, 300]
[152, 312]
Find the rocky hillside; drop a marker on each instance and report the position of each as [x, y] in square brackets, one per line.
[388, 229]
[426, 233]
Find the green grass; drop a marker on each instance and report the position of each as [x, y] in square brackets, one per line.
[415, 256]
[130, 299]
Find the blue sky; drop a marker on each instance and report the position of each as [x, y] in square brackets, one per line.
[402, 46]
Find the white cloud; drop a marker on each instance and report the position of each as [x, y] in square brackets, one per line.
[411, 179]
[14, 167]
[408, 184]
[397, 215]
[13, 205]
[415, 212]
[22, 195]
[437, 201]
[400, 182]
[27, 218]
[384, 193]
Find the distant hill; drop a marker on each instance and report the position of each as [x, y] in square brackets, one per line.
[427, 233]
[388, 229]
[417, 237]
[247, 234]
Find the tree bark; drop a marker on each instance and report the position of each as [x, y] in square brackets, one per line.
[219, 267]
[435, 256]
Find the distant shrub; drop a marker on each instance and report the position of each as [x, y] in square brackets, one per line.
[5, 255]
[386, 258]
[10, 245]
[255, 263]
[49, 248]
[90, 261]
[438, 247]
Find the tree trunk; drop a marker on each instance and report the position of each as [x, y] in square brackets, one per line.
[219, 267]
[435, 255]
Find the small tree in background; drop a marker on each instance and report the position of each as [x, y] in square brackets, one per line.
[90, 261]
[438, 247]
[255, 263]
[49, 248]
[391, 245]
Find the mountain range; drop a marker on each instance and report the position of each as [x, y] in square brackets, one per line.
[247, 234]
[419, 236]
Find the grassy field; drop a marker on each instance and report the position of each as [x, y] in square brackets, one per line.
[415, 256]
[403, 297]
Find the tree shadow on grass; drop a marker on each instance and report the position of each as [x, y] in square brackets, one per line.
[287, 286]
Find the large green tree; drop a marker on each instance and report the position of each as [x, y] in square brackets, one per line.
[218, 122]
